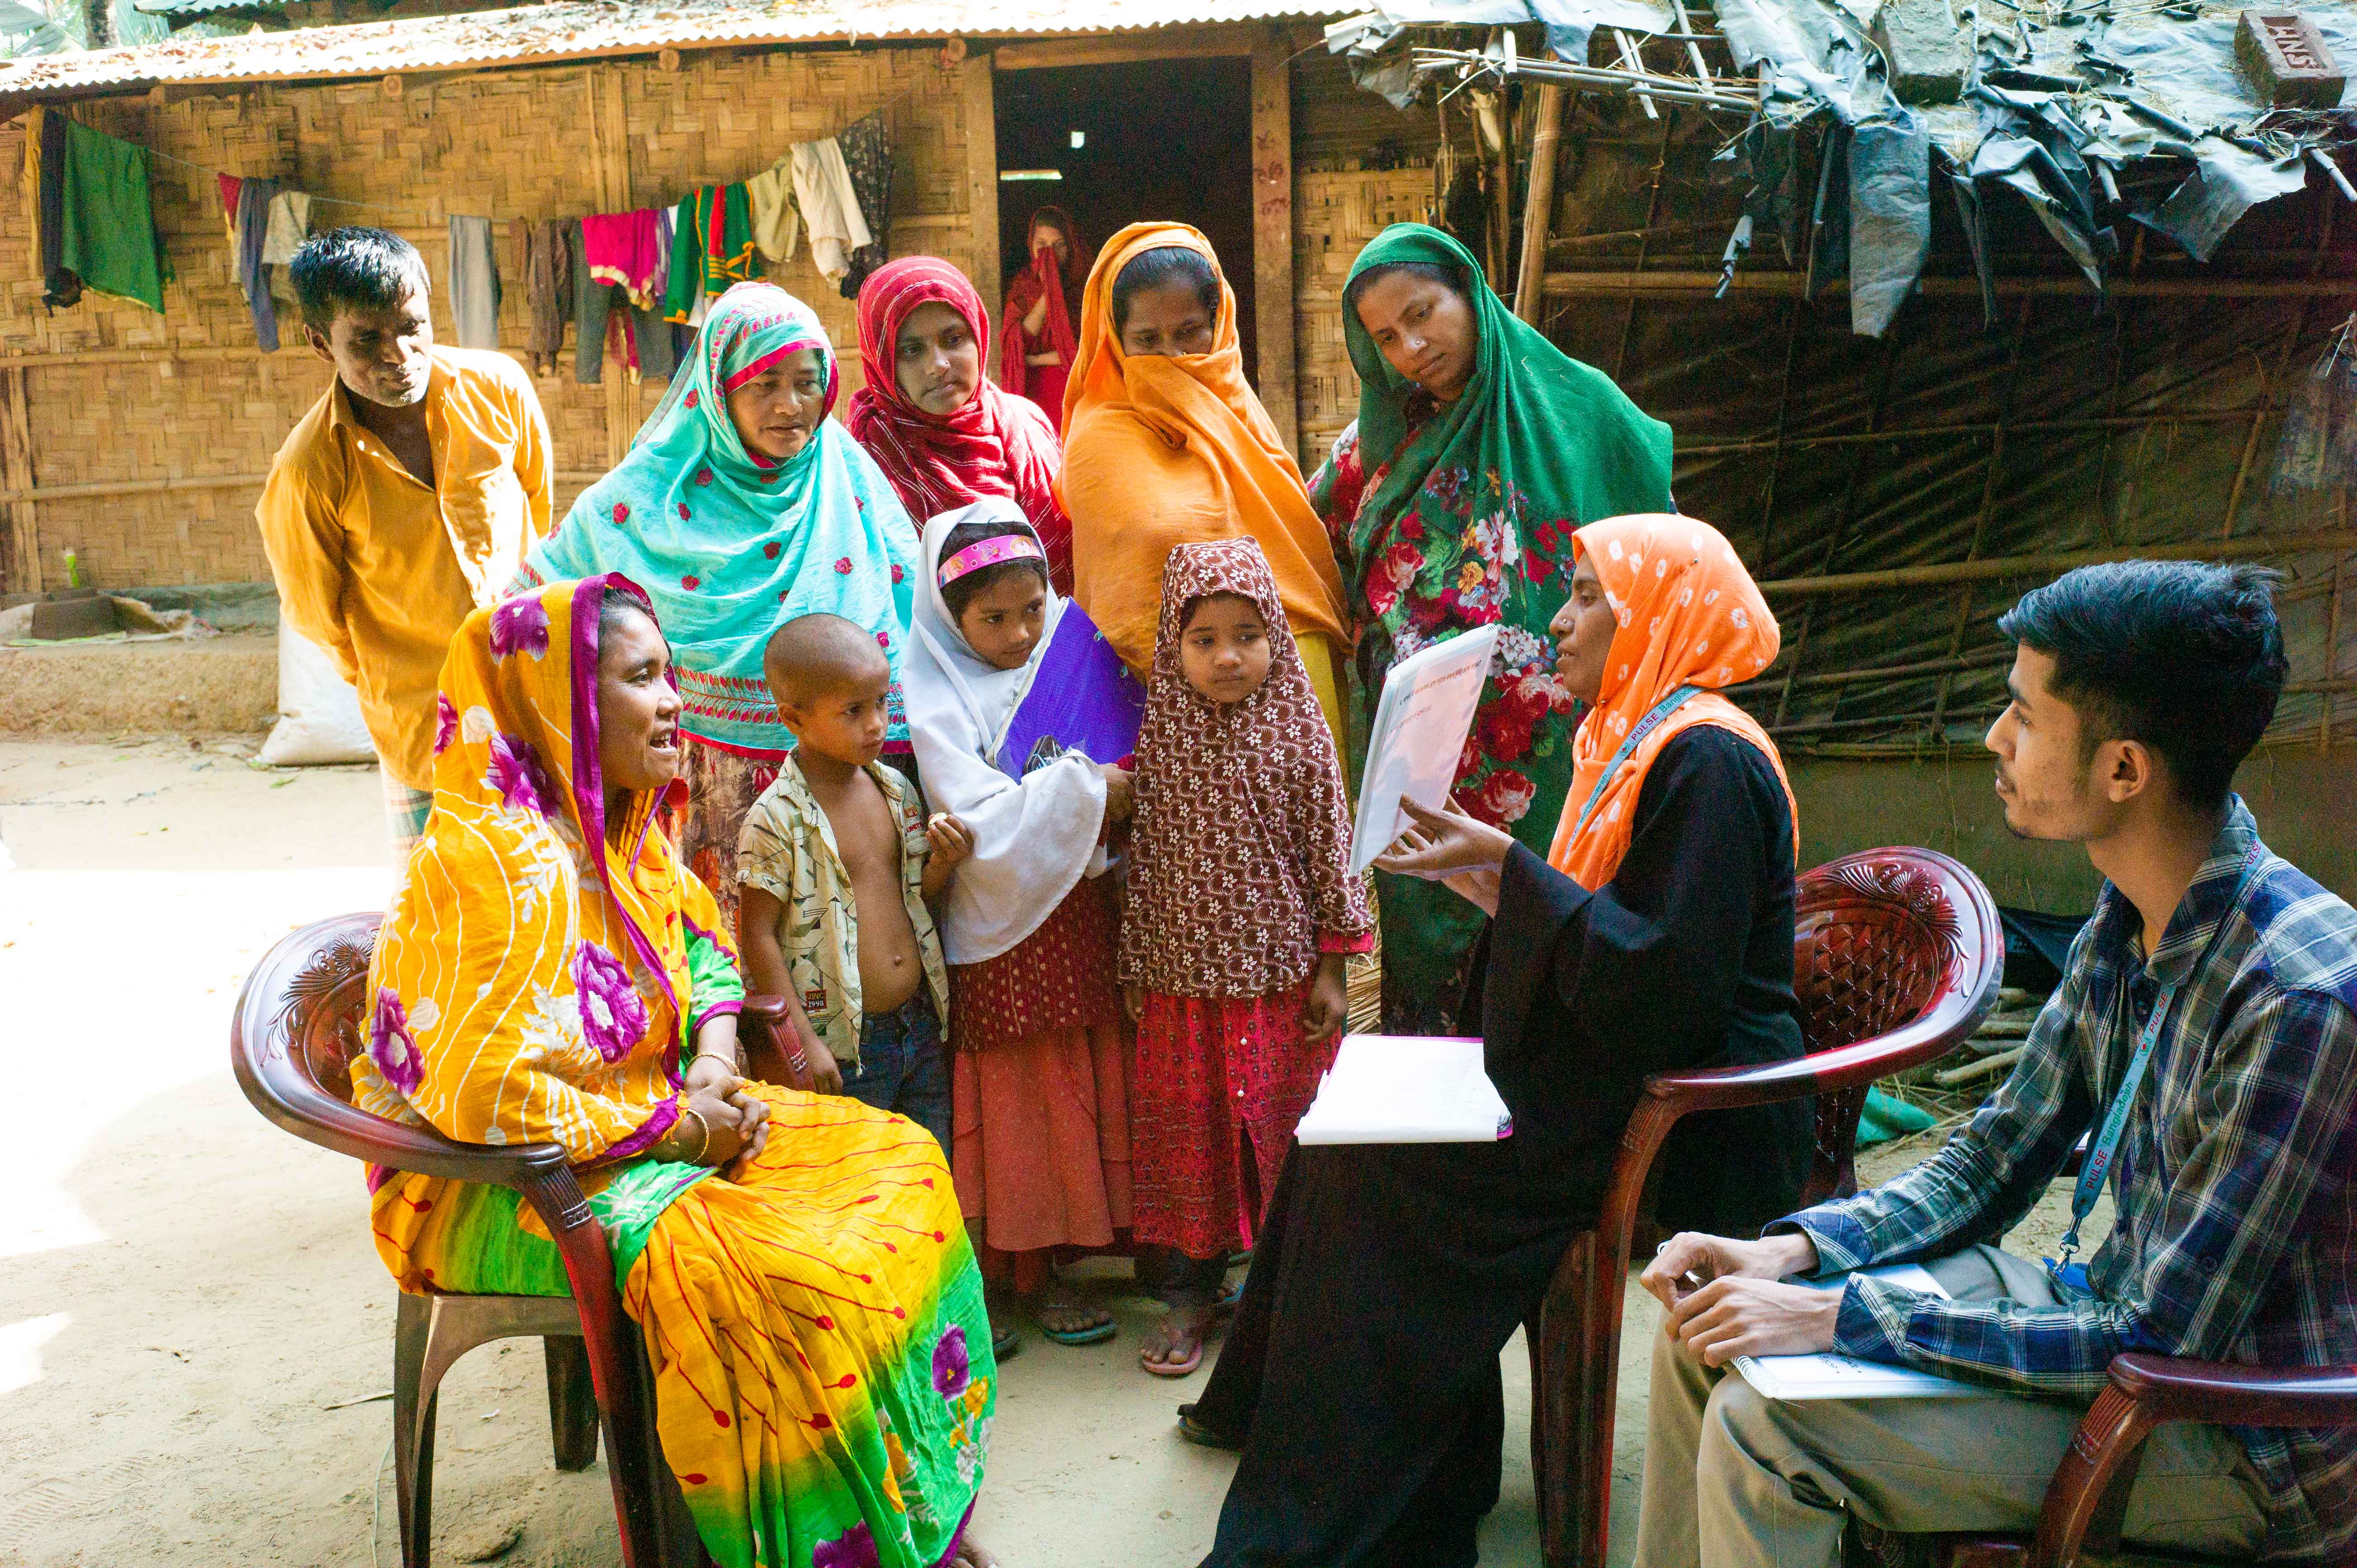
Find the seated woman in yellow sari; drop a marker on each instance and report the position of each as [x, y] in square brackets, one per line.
[797, 1263]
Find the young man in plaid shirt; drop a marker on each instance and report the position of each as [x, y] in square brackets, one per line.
[2212, 998]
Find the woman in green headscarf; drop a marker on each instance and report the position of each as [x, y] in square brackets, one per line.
[1479, 448]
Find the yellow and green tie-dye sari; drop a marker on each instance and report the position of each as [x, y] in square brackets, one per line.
[823, 1382]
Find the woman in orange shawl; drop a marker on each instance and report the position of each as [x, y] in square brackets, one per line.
[1657, 936]
[1165, 445]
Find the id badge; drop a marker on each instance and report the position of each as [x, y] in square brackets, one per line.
[2070, 1281]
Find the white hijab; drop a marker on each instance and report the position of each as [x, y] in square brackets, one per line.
[1033, 841]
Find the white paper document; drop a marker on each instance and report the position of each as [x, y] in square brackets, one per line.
[1419, 731]
[1826, 1376]
[1405, 1088]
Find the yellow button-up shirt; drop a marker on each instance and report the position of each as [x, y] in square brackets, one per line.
[378, 568]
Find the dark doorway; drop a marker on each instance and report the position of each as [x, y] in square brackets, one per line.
[1164, 140]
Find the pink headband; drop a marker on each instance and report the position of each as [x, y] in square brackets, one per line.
[990, 553]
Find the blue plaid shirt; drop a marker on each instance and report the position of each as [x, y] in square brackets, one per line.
[2232, 1178]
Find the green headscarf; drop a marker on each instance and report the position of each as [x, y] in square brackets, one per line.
[1466, 519]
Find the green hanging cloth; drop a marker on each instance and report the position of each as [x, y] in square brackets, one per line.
[107, 230]
[711, 249]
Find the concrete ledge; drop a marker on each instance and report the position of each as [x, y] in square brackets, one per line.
[207, 686]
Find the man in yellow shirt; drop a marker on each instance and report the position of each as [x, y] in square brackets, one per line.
[405, 499]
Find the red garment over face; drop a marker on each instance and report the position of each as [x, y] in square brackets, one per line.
[997, 446]
[1047, 279]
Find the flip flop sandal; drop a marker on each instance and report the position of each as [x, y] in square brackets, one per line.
[1006, 1344]
[1095, 1334]
[1195, 1432]
[1173, 1369]
[1229, 1299]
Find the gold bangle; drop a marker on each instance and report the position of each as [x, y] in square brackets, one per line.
[734, 1071]
[704, 1140]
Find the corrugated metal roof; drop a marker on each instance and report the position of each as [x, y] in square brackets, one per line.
[576, 29]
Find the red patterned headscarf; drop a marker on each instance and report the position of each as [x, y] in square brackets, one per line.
[1244, 828]
[997, 446]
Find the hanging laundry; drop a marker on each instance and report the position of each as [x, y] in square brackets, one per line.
[604, 319]
[289, 226]
[547, 289]
[666, 217]
[620, 248]
[96, 227]
[253, 201]
[45, 161]
[474, 283]
[868, 153]
[777, 226]
[228, 184]
[711, 249]
[830, 205]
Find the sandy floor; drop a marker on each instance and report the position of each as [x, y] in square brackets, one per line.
[187, 1293]
[189, 1302]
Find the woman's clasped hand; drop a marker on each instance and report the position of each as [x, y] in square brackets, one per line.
[719, 1124]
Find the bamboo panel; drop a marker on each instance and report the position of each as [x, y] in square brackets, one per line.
[1336, 212]
[474, 145]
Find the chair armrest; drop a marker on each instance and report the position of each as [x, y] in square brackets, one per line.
[332, 1124]
[1825, 1072]
[2171, 1389]
[771, 1010]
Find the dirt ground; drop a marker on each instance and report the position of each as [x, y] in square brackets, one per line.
[192, 1322]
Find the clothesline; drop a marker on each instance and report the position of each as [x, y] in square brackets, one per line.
[334, 201]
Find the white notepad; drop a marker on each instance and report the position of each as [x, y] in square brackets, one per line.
[1418, 734]
[1406, 1088]
[1828, 1376]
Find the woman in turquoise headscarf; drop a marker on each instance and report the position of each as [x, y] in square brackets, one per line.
[740, 507]
[1479, 449]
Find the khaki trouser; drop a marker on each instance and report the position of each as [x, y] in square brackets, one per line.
[1734, 1479]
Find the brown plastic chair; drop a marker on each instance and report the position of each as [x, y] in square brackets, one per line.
[2080, 1525]
[297, 1025]
[1897, 956]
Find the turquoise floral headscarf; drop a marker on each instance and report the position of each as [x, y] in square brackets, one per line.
[730, 545]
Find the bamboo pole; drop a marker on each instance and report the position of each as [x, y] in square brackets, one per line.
[14, 496]
[2333, 638]
[1986, 660]
[24, 562]
[1985, 427]
[1573, 284]
[1538, 212]
[1965, 592]
[1799, 309]
[1644, 243]
[1840, 534]
[2241, 549]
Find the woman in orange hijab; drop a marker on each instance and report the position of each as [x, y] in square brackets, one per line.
[1657, 936]
[1165, 445]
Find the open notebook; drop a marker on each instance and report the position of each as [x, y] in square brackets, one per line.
[1826, 1376]
[1406, 1088]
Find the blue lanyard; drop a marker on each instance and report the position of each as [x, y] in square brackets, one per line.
[2098, 1166]
[1645, 726]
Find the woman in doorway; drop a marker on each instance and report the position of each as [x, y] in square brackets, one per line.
[740, 507]
[544, 974]
[1036, 359]
[941, 432]
[1165, 445]
[1361, 1376]
[1479, 448]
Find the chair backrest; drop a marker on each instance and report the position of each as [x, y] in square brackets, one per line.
[1881, 939]
[299, 1022]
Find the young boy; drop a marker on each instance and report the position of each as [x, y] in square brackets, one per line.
[834, 866]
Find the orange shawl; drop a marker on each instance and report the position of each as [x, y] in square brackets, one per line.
[1690, 616]
[1160, 452]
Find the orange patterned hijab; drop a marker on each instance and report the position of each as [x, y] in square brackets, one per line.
[1690, 616]
[1161, 451]
[531, 977]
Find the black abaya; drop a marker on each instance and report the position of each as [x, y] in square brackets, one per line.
[1362, 1365]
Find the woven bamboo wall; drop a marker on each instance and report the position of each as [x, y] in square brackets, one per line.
[1335, 214]
[186, 395]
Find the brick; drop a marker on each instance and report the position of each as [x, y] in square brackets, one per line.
[1930, 52]
[2283, 59]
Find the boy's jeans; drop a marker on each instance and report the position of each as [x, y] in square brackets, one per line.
[903, 1068]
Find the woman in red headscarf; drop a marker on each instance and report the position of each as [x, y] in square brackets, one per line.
[1036, 356]
[941, 432]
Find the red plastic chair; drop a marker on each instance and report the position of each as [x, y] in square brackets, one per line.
[297, 1025]
[1897, 956]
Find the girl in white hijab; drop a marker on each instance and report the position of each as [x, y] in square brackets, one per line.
[1040, 1150]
